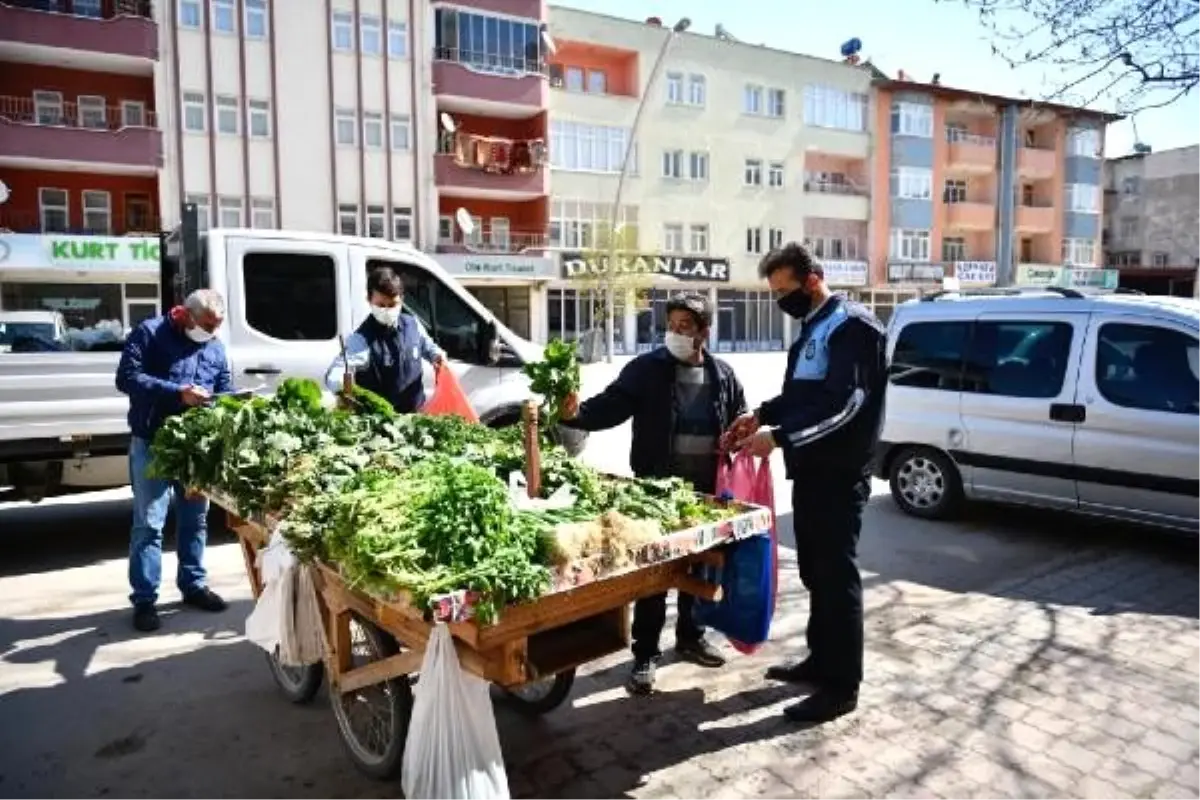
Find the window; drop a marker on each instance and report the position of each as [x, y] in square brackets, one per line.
[1081, 252]
[1083, 198]
[827, 107]
[954, 249]
[342, 30]
[672, 237]
[87, 8]
[833, 247]
[445, 229]
[226, 113]
[1129, 226]
[229, 212]
[348, 219]
[775, 102]
[91, 110]
[583, 224]
[929, 355]
[402, 224]
[203, 210]
[672, 165]
[291, 296]
[774, 238]
[224, 16]
[574, 79]
[1131, 185]
[597, 81]
[397, 39]
[55, 213]
[372, 130]
[675, 94]
[48, 107]
[399, 132]
[912, 119]
[1148, 368]
[1017, 359]
[909, 245]
[752, 174]
[589, 148]
[954, 192]
[488, 43]
[377, 222]
[752, 99]
[1161, 259]
[262, 213]
[699, 239]
[697, 90]
[450, 322]
[344, 126]
[754, 242]
[258, 114]
[499, 233]
[190, 14]
[370, 32]
[193, 112]
[256, 19]
[1083, 142]
[97, 212]
[775, 175]
[133, 114]
[698, 162]
[913, 183]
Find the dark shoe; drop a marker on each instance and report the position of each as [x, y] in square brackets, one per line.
[145, 618]
[802, 672]
[204, 599]
[824, 706]
[700, 652]
[641, 679]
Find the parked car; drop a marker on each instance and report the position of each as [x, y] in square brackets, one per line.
[1052, 398]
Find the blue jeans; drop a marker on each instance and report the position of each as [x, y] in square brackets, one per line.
[151, 502]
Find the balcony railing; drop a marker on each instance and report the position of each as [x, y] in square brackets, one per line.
[495, 241]
[96, 222]
[494, 154]
[835, 187]
[504, 64]
[26, 111]
[958, 136]
[92, 9]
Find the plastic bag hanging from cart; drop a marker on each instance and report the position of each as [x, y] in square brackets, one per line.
[453, 749]
[286, 618]
[449, 397]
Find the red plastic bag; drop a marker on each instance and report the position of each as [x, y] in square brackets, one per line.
[448, 397]
[742, 480]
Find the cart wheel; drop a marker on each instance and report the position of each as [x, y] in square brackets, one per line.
[298, 684]
[373, 721]
[543, 696]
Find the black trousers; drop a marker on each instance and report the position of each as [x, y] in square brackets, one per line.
[827, 516]
[649, 618]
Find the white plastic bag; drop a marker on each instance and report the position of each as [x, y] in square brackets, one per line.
[286, 615]
[453, 750]
[518, 495]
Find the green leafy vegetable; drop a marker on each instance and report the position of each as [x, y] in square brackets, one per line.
[554, 377]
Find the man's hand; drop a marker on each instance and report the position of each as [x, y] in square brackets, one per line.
[760, 444]
[570, 406]
[742, 428]
[194, 395]
[439, 360]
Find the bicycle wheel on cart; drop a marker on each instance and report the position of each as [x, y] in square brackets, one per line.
[298, 684]
[373, 720]
[541, 696]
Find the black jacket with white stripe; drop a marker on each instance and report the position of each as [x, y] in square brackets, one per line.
[828, 417]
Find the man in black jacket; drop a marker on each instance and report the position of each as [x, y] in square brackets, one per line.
[827, 421]
[680, 399]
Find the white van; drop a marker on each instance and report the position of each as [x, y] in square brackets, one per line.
[1053, 398]
[289, 295]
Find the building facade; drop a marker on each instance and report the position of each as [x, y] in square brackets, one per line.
[80, 153]
[1152, 219]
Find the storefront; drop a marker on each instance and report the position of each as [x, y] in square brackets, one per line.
[1068, 277]
[90, 280]
[510, 286]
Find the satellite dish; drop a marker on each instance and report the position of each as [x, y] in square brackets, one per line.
[448, 123]
[548, 40]
[465, 223]
[4, 193]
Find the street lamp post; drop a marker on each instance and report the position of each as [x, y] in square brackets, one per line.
[609, 300]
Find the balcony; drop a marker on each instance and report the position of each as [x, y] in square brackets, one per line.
[1036, 162]
[112, 223]
[970, 216]
[480, 83]
[491, 166]
[1035, 217]
[496, 241]
[69, 133]
[969, 152]
[975, 273]
[122, 28]
[837, 199]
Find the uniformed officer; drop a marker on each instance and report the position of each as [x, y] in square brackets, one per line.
[827, 422]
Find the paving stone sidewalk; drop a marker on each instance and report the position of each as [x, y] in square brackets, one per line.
[1042, 687]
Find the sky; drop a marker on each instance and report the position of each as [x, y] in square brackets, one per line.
[921, 37]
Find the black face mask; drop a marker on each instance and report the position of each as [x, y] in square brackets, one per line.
[796, 304]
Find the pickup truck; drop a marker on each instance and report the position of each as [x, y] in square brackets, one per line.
[288, 295]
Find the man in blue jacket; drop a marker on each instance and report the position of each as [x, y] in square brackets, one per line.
[170, 363]
[826, 420]
[680, 399]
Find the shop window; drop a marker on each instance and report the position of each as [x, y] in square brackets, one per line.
[97, 213]
[570, 313]
[55, 210]
[510, 305]
[748, 321]
[291, 296]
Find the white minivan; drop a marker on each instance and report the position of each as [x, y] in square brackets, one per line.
[1052, 397]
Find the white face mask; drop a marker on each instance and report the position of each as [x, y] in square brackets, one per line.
[681, 346]
[386, 315]
[199, 335]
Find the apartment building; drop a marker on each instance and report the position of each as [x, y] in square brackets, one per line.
[982, 188]
[80, 150]
[1152, 219]
[739, 148]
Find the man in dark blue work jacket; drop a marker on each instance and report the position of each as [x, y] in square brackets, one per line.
[827, 422]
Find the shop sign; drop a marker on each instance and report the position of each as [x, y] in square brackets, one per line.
[845, 273]
[1039, 275]
[975, 272]
[33, 251]
[1092, 278]
[684, 268]
[916, 273]
[477, 265]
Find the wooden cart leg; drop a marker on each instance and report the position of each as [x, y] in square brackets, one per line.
[342, 655]
[250, 556]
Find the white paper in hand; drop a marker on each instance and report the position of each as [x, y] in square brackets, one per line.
[453, 750]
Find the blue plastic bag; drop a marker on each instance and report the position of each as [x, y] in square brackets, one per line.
[747, 603]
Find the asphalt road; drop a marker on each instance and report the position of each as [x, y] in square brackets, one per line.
[88, 707]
